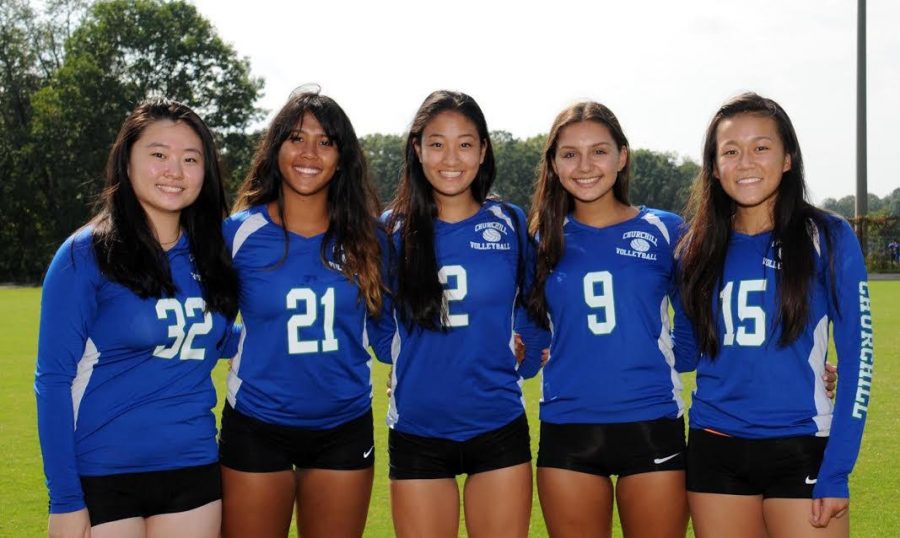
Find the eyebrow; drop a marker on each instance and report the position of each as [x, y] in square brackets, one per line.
[166, 146]
[604, 143]
[754, 139]
[441, 135]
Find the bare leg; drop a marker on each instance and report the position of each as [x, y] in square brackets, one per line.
[498, 502]
[425, 508]
[201, 522]
[727, 516]
[789, 518]
[132, 527]
[257, 504]
[653, 504]
[574, 503]
[333, 503]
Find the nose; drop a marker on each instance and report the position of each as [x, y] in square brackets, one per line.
[175, 170]
[583, 164]
[452, 154]
[746, 159]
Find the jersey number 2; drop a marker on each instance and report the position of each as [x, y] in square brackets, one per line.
[456, 293]
[183, 344]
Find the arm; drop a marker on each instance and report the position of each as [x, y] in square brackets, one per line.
[68, 304]
[535, 339]
[852, 324]
[231, 341]
[687, 354]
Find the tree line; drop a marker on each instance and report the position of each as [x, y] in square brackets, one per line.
[71, 72]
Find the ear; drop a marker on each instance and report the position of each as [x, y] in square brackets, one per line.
[623, 157]
[787, 162]
[484, 145]
[418, 148]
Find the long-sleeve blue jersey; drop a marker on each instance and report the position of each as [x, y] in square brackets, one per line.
[302, 359]
[612, 357]
[464, 381]
[122, 383]
[755, 388]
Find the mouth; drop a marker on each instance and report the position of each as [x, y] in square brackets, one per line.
[170, 189]
[586, 181]
[307, 170]
[450, 174]
[749, 180]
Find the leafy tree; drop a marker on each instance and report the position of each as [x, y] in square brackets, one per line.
[658, 180]
[384, 156]
[121, 52]
[516, 162]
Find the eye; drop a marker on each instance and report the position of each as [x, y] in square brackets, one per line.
[466, 145]
[729, 152]
[762, 148]
[296, 139]
[566, 155]
[158, 155]
[326, 142]
[192, 160]
[435, 145]
[600, 152]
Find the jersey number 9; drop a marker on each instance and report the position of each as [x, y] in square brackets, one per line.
[604, 299]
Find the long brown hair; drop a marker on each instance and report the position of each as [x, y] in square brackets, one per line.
[353, 206]
[702, 250]
[551, 202]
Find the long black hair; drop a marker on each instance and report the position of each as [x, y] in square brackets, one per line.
[796, 223]
[353, 206]
[419, 294]
[127, 250]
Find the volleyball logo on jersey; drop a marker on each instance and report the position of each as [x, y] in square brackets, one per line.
[492, 235]
[770, 262]
[638, 244]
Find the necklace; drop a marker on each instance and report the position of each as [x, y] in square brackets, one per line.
[172, 242]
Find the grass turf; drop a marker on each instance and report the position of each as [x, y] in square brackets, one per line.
[23, 498]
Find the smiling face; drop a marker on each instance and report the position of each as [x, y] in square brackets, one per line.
[750, 161]
[451, 153]
[587, 161]
[307, 160]
[166, 168]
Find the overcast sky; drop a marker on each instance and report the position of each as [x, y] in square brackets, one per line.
[663, 67]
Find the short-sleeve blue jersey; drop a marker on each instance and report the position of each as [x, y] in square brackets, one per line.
[464, 381]
[755, 388]
[612, 357]
[123, 383]
[302, 360]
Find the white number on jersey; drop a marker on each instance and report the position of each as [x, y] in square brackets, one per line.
[754, 314]
[308, 318]
[456, 293]
[183, 345]
[605, 299]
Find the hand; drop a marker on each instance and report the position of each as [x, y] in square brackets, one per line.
[390, 376]
[520, 348]
[545, 356]
[829, 377]
[69, 525]
[825, 509]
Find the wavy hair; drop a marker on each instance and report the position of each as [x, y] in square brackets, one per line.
[551, 202]
[127, 250]
[353, 206]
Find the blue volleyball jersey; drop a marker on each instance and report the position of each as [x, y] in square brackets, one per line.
[302, 359]
[755, 388]
[612, 357]
[464, 381]
[122, 383]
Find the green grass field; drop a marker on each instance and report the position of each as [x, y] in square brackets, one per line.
[23, 500]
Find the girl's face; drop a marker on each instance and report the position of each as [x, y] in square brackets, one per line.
[308, 159]
[166, 167]
[587, 161]
[750, 160]
[451, 152]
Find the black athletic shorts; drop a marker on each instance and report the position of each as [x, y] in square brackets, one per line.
[122, 496]
[253, 446]
[614, 449]
[414, 457]
[774, 468]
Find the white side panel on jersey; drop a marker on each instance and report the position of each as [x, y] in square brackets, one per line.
[233, 382]
[498, 212]
[814, 234]
[246, 229]
[824, 406]
[654, 220]
[392, 415]
[549, 358]
[82, 376]
[365, 344]
[666, 347]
